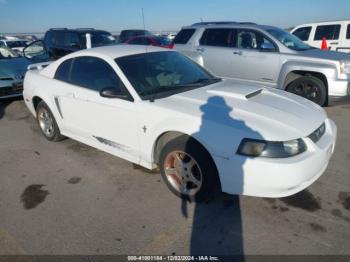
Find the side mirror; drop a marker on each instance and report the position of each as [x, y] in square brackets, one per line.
[267, 47]
[36, 51]
[114, 92]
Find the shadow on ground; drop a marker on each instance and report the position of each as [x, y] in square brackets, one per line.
[217, 225]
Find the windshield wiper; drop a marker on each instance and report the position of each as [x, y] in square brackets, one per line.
[170, 90]
[200, 82]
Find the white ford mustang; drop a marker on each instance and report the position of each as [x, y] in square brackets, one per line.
[155, 107]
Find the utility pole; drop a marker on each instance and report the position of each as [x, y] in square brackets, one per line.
[143, 19]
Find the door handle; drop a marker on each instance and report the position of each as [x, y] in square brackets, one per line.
[334, 43]
[237, 52]
[200, 49]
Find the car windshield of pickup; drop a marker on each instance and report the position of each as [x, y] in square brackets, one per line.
[160, 74]
[99, 39]
[289, 40]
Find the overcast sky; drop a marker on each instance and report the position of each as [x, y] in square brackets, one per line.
[114, 15]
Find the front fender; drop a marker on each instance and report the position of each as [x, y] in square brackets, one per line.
[327, 69]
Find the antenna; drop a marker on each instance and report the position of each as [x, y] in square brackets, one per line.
[143, 19]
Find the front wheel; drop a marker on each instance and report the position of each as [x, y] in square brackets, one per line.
[188, 170]
[310, 88]
[47, 123]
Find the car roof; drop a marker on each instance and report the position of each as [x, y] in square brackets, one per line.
[326, 21]
[79, 30]
[118, 51]
[228, 24]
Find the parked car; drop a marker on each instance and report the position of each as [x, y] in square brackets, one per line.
[337, 34]
[59, 42]
[15, 45]
[159, 108]
[127, 34]
[270, 56]
[150, 40]
[12, 70]
[170, 36]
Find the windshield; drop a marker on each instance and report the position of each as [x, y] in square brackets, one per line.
[13, 44]
[289, 40]
[99, 39]
[161, 74]
[6, 53]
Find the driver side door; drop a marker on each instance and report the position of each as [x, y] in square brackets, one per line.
[108, 123]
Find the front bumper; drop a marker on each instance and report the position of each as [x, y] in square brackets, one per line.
[266, 177]
[338, 91]
[13, 90]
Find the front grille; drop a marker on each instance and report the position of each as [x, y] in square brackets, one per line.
[15, 89]
[318, 133]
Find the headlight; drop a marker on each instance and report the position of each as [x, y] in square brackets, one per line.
[261, 148]
[345, 67]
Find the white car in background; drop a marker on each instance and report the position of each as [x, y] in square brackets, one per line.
[337, 34]
[15, 45]
[156, 107]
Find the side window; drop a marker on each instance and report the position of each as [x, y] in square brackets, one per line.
[71, 39]
[250, 39]
[348, 32]
[303, 33]
[58, 38]
[223, 37]
[2, 43]
[49, 39]
[95, 74]
[62, 72]
[184, 36]
[330, 32]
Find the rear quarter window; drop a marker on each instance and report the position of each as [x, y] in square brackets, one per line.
[184, 36]
[63, 71]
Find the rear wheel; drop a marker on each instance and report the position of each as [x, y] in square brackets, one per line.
[311, 88]
[47, 123]
[188, 170]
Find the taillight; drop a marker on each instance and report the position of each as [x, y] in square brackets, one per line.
[171, 46]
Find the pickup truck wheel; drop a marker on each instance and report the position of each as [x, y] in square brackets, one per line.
[188, 170]
[47, 123]
[310, 88]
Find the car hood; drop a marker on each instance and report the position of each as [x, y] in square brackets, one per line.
[324, 54]
[273, 114]
[13, 67]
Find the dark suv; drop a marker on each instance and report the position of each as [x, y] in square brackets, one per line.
[59, 42]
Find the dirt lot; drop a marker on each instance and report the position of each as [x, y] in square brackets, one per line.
[68, 198]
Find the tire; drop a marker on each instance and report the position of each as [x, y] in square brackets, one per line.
[311, 88]
[47, 123]
[184, 159]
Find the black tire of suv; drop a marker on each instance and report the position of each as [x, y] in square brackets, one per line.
[210, 185]
[302, 86]
[56, 134]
